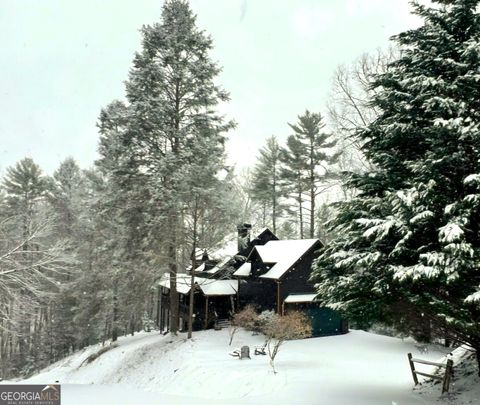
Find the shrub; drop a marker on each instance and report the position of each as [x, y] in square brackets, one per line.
[294, 325]
[246, 319]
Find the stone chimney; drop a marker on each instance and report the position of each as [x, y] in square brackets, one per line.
[243, 236]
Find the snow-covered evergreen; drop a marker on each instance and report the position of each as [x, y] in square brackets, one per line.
[408, 248]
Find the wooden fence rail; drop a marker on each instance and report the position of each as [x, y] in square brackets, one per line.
[445, 379]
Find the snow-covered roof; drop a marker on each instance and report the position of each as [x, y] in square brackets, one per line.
[298, 298]
[201, 267]
[219, 287]
[227, 249]
[244, 270]
[283, 254]
[218, 266]
[208, 286]
[183, 282]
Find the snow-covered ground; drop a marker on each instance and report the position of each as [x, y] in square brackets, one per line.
[356, 368]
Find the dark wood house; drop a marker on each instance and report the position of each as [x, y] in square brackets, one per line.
[268, 273]
[275, 270]
[215, 290]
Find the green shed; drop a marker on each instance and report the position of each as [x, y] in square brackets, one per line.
[325, 321]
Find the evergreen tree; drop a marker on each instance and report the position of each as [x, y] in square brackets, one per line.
[65, 196]
[25, 186]
[170, 111]
[409, 243]
[325, 213]
[265, 187]
[313, 147]
[292, 175]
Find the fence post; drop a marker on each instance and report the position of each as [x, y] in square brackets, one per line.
[412, 367]
[448, 375]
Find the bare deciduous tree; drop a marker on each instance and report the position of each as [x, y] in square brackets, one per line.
[349, 106]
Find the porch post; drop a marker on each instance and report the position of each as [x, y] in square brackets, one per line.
[206, 313]
[279, 307]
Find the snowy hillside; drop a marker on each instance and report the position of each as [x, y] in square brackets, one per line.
[356, 368]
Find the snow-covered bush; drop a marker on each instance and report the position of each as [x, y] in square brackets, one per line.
[265, 318]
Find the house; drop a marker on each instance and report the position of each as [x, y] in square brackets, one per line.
[275, 270]
[215, 290]
[266, 272]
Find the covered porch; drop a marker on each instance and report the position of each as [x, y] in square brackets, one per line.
[213, 300]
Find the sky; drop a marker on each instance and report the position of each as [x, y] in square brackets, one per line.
[62, 61]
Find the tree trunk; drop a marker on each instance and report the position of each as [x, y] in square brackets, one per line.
[300, 212]
[312, 188]
[115, 312]
[312, 210]
[172, 257]
[274, 201]
[194, 266]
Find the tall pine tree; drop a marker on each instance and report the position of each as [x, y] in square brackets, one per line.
[171, 109]
[313, 149]
[265, 187]
[292, 176]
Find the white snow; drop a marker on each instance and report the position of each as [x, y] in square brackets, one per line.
[357, 368]
[183, 282]
[200, 268]
[219, 287]
[244, 270]
[207, 285]
[284, 253]
[450, 233]
[297, 298]
[472, 178]
[475, 297]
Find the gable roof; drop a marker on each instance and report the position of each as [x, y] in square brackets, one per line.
[229, 250]
[208, 286]
[283, 254]
[244, 270]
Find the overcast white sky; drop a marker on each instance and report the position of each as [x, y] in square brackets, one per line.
[62, 61]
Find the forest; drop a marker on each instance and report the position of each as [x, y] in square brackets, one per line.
[387, 176]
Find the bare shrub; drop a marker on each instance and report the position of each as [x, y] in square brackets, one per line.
[246, 319]
[279, 329]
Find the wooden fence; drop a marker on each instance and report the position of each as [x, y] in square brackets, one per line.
[445, 379]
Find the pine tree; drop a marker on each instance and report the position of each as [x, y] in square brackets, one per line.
[265, 186]
[292, 176]
[316, 148]
[171, 102]
[409, 243]
[24, 185]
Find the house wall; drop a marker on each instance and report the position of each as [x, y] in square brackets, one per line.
[296, 280]
[262, 293]
[258, 292]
